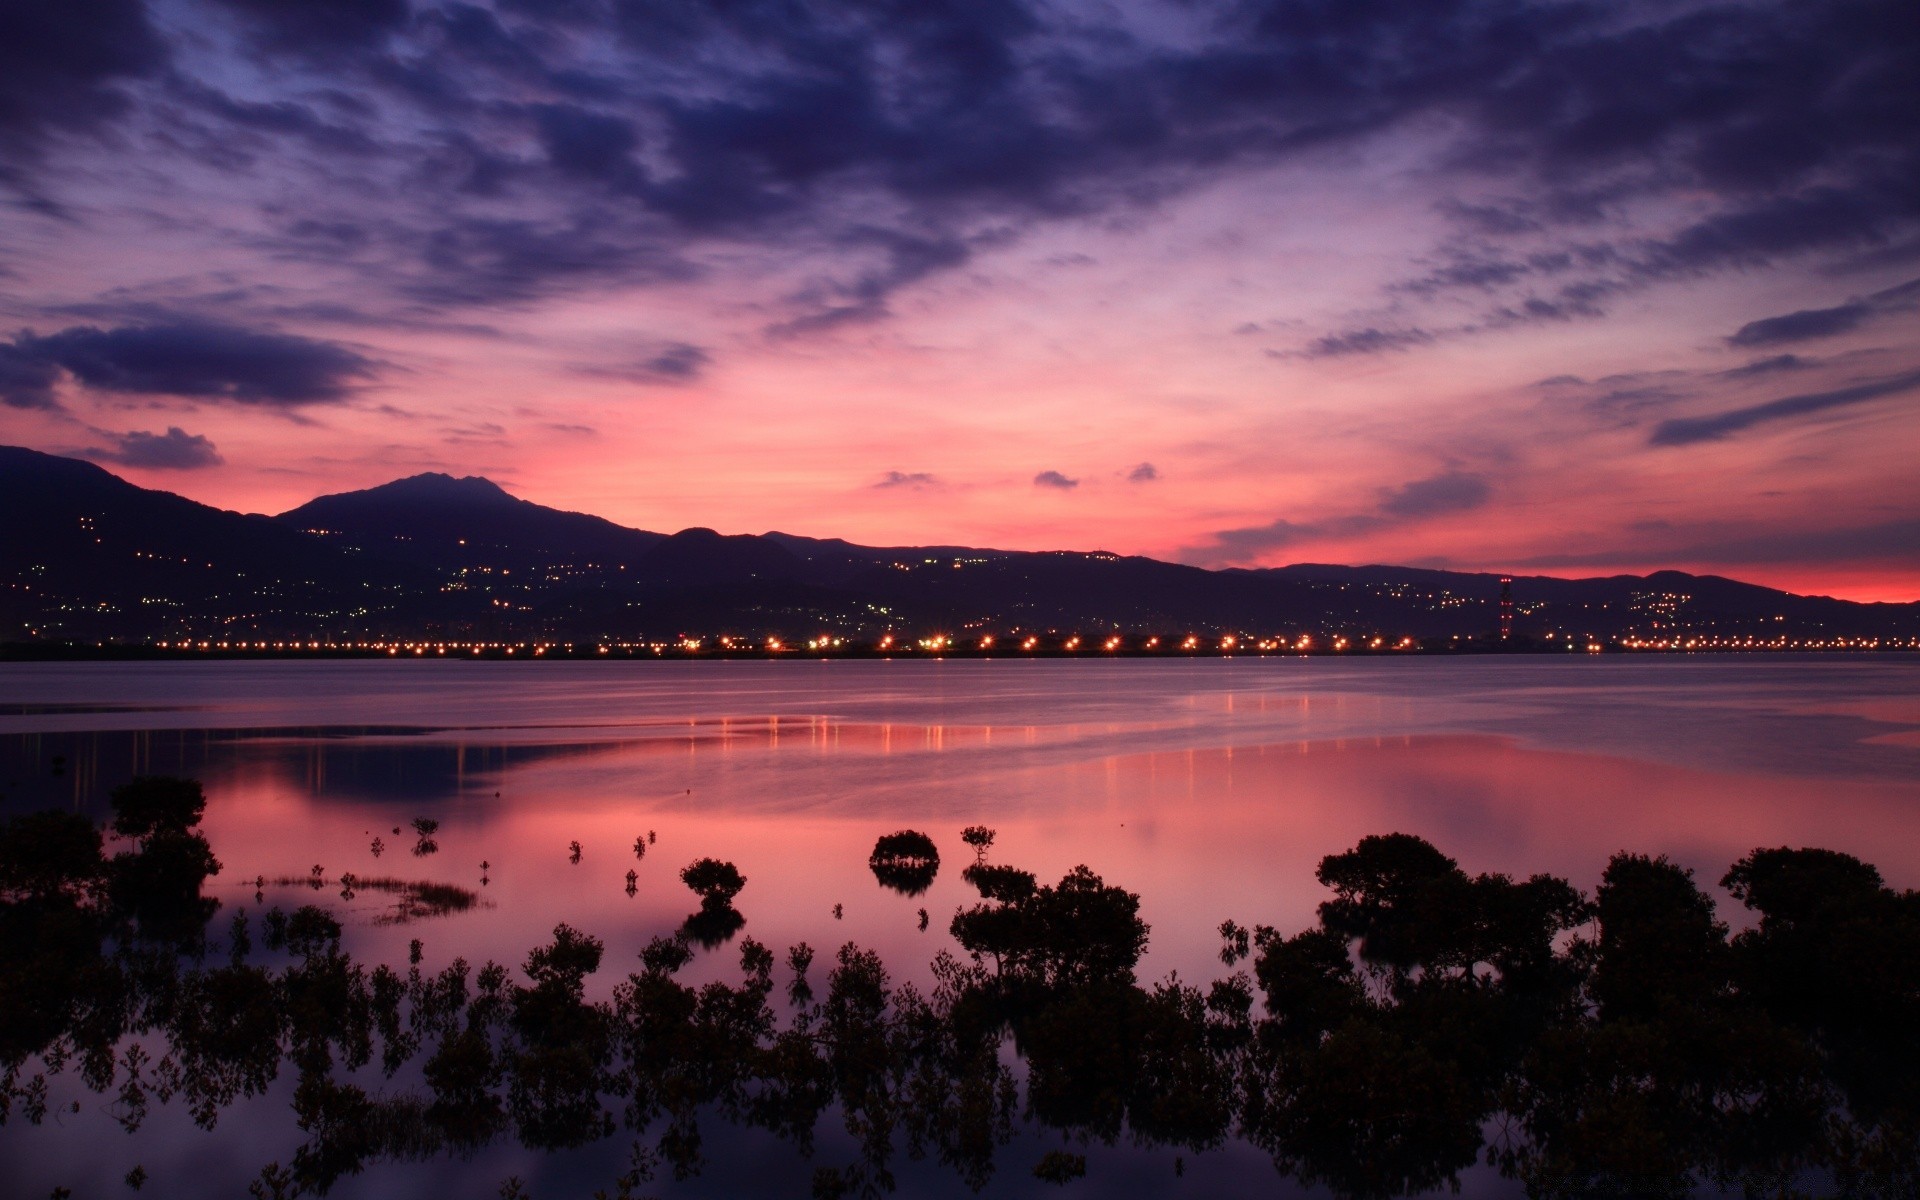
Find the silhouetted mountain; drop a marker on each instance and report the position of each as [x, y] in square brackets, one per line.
[703, 558]
[469, 522]
[87, 556]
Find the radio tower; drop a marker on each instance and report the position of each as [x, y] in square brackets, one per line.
[1506, 608]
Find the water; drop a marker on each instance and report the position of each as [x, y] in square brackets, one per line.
[1210, 787]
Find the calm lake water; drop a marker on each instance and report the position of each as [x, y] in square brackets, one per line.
[1210, 787]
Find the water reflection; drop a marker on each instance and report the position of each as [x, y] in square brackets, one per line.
[906, 862]
[1621, 1043]
[1212, 799]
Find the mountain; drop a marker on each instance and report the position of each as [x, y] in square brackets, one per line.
[87, 556]
[469, 522]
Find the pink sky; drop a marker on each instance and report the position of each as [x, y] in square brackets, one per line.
[1387, 346]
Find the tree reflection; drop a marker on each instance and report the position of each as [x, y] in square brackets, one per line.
[906, 861]
[1622, 1044]
[716, 883]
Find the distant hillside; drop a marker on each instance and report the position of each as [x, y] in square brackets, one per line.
[87, 556]
[452, 523]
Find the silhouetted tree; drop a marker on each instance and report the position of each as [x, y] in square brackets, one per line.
[1005, 884]
[1078, 930]
[906, 861]
[1836, 956]
[49, 855]
[980, 838]
[151, 804]
[715, 882]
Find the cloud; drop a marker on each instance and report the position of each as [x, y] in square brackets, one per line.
[1418, 500]
[174, 450]
[321, 26]
[911, 131]
[907, 259]
[589, 145]
[1250, 542]
[1364, 341]
[1146, 472]
[193, 360]
[1811, 323]
[1448, 493]
[1685, 431]
[678, 362]
[666, 363]
[62, 66]
[1772, 365]
[1801, 326]
[1054, 479]
[494, 261]
[26, 378]
[907, 479]
[1895, 542]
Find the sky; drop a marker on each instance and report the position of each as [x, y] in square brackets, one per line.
[1557, 287]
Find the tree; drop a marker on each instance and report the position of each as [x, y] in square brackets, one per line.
[1073, 933]
[153, 804]
[1005, 884]
[906, 861]
[49, 854]
[979, 837]
[1660, 945]
[715, 882]
[1406, 902]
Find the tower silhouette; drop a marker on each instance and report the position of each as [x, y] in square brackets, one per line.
[1506, 608]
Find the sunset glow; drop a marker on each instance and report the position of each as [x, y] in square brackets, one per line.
[1462, 284]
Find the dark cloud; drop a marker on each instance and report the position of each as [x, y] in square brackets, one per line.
[174, 450]
[676, 363]
[590, 145]
[281, 118]
[488, 261]
[906, 129]
[1491, 219]
[1481, 273]
[1146, 472]
[907, 479]
[321, 26]
[1802, 326]
[679, 361]
[1364, 341]
[199, 361]
[1772, 365]
[1685, 431]
[1054, 479]
[1886, 543]
[1452, 492]
[61, 65]
[1890, 542]
[1420, 499]
[668, 362]
[26, 377]
[907, 258]
[1809, 324]
[1238, 545]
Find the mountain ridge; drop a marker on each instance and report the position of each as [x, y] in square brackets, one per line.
[90, 556]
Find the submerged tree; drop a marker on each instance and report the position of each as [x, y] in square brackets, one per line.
[158, 885]
[716, 883]
[980, 838]
[906, 861]
[157, 804]
[1624, 1046]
